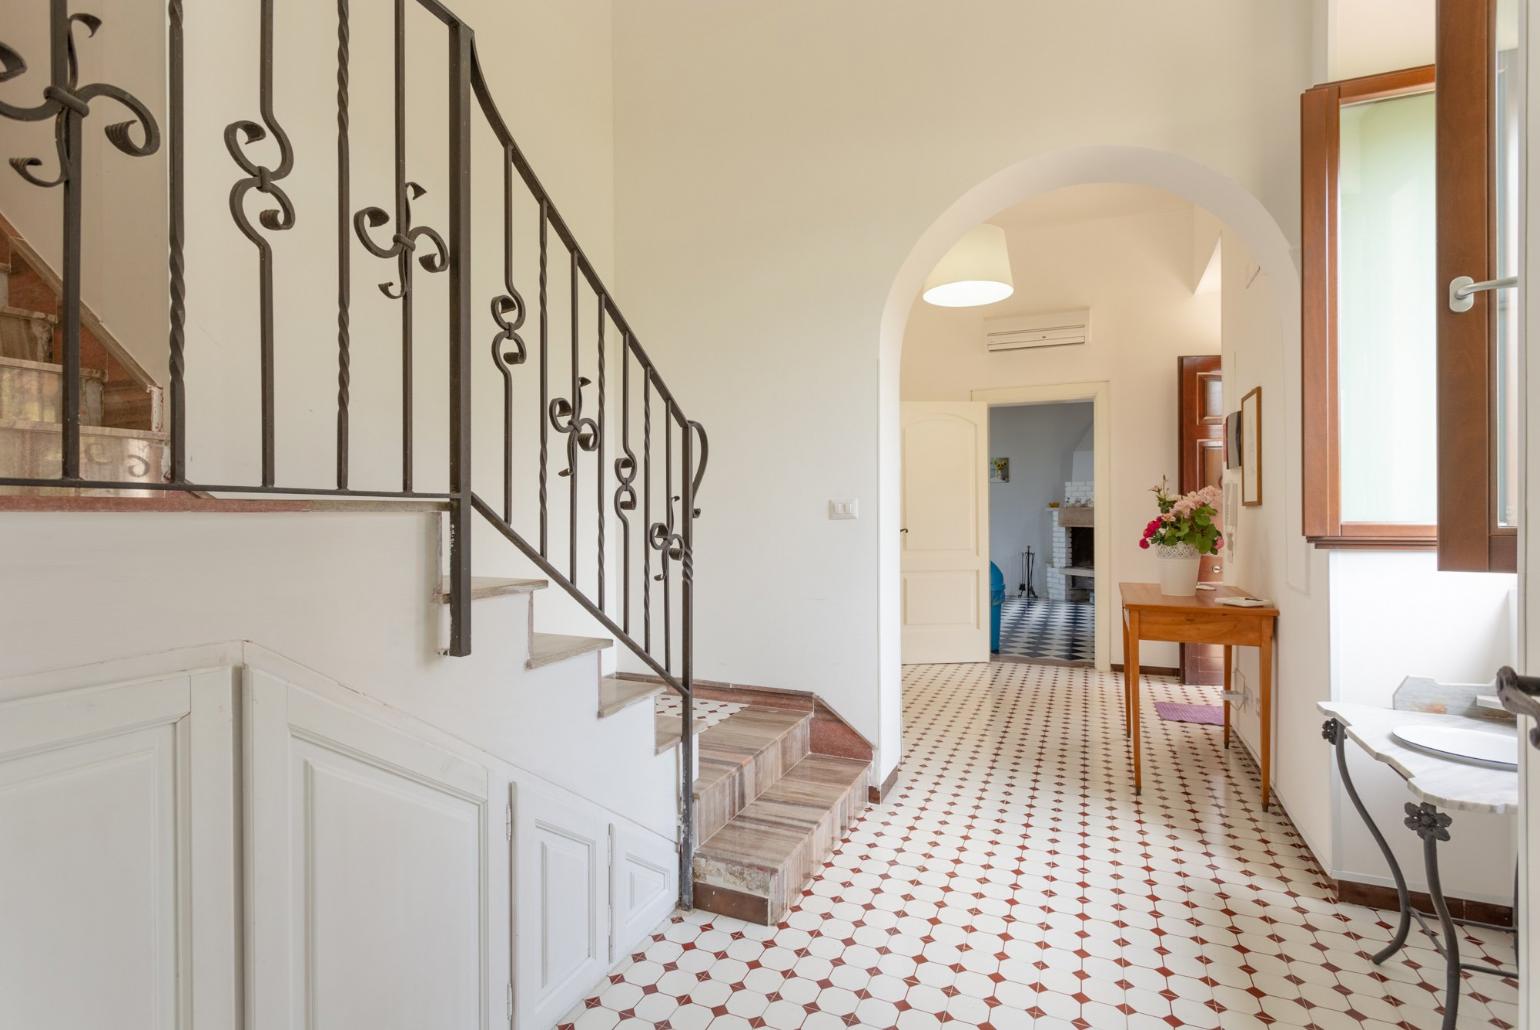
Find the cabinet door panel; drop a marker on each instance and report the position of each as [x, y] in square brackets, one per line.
[102, 838]
[372, 867]
[560, 902]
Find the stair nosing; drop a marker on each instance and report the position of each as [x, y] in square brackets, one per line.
[645, 691]
[492, 586]
[31, 425]
[577, 647]
[50, 367]
[15, 312]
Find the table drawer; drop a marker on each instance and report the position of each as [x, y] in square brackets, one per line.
[1231, 627]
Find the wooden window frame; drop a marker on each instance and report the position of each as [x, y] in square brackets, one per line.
[1469, 536]
[1320, 152]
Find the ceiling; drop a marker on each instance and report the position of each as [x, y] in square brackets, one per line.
[1086, 203]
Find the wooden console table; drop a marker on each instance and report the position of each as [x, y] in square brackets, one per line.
[1200, 619]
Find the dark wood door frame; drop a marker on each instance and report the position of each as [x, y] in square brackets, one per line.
[1201, 447]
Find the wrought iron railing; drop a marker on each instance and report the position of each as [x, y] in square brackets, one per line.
[642, 536]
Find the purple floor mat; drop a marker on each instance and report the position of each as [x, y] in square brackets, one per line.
[1208, 715]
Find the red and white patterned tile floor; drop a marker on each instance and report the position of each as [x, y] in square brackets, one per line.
[1013, 880]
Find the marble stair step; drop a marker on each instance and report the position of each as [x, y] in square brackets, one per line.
[33, 391]
[756, 865]
[549, 648]
[26, 334]
[491, 586]
[742, 757]
[34, 450]
[616, 693]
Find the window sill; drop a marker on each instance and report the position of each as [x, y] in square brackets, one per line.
[1376, 543]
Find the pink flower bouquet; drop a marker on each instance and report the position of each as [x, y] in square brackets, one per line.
[1185, 520]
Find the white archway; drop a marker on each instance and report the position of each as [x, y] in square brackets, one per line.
[1229, 201]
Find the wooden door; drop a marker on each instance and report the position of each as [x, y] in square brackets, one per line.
[1201, 439]
[945, 563]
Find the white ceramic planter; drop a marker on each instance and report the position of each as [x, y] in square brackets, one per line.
[1178, 570]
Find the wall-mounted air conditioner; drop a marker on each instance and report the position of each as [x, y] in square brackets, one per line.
[1048, 329]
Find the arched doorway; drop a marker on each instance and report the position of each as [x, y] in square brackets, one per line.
[1227, 200]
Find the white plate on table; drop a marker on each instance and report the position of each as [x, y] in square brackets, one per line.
[1495, 750]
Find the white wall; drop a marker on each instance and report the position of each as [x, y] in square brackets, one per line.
[1041, 441]
[1365, 37]
[1134, 272]
[1393, 614]
[777, 163]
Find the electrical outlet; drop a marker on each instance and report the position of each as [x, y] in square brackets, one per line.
[843, 509]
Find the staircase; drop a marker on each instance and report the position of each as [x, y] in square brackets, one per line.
[768, 809]
[595, 480]
[121, 436]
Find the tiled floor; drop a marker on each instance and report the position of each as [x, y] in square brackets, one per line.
[707, 713]
[1013, 880]
[1061, 630]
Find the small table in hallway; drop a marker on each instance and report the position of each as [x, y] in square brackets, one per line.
[1200, 619]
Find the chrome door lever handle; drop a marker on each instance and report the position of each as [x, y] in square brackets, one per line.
[1463, 290]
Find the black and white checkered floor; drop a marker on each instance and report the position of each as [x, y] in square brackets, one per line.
[1062, 630]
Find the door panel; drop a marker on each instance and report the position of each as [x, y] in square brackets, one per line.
[945, 556]
[374, 867]
[561, 902]
[102, 837]
[644, 876]
[1201, 446]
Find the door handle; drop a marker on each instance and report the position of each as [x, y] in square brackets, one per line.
[1521, 696]
[1463, 290]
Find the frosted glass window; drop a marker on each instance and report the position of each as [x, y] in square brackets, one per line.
[1386, 314]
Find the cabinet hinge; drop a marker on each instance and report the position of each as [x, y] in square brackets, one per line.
[510, 1003]
[508, 828]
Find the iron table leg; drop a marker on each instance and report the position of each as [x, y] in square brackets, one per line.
[1433, 826]
[1332, 731]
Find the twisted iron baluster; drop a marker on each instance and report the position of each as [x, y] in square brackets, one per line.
[260, 178]
[545, 387]
[508, 347]
[344, 251]
[68, 103]
[599, 466]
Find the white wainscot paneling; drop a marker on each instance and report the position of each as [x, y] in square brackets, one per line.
[644, 885]
[102, 837]
[377, 869]
[561, 901]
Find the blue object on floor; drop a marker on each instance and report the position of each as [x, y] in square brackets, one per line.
[996, 598]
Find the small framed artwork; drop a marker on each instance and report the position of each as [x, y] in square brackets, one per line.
[999, 470]
[1233, 440]
[1251, 448]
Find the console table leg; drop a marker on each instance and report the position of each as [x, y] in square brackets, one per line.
[1433, 826]
[1332, 731]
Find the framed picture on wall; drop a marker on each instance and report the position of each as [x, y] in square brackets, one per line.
[1251, 448]
[1233, 440]
[999, 470]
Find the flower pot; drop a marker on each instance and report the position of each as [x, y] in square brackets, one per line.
[1178, 570]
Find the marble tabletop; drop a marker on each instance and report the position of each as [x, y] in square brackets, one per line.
[1450, 784]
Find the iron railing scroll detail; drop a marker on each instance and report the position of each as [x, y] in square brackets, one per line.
[611, 411]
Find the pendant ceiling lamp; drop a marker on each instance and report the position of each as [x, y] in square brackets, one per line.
[976, 271]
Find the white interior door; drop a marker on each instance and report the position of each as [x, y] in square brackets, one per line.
[117, 890]
[945, 547]
[378, 866]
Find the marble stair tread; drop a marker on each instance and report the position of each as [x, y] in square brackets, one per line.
[755, 865]
[491, 586]
[742, 757]
[616, 693]
[667, 732]
[548, 648]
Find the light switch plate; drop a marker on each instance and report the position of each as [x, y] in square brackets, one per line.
[843, 509]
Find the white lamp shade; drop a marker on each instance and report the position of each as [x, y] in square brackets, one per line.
[976, 271]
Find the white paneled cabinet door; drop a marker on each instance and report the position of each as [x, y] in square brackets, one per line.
[644, 885]
[561, 903]
[377, 871]
[117, 890]
[945, 530]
